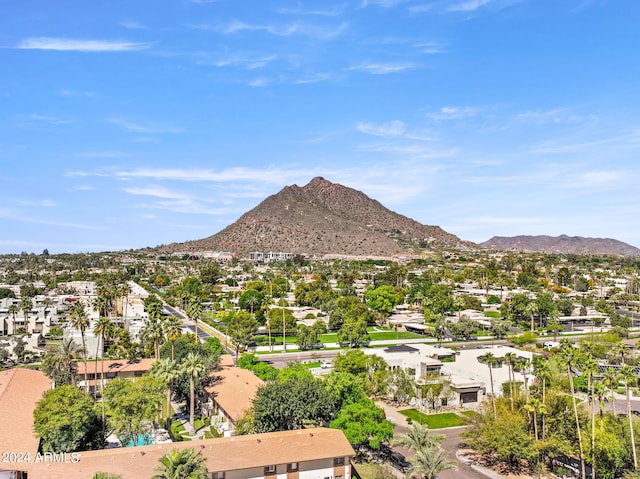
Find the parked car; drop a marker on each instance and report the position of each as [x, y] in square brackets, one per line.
[399, 461]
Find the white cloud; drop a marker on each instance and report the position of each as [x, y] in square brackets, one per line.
[157, 192]
[102, 154]
[38, 204]
[467, 6]
[131, 25]
[393, 128]
[281, 31]
[259, 82]
[35, 117]
[453, 113]
[557, 115]
[73, 45]
[383, 68]
[430, 48]
[139, 128]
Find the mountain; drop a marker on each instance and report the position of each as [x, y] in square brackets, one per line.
[324, 218]
[561, 244]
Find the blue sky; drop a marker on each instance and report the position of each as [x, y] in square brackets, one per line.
[126, 124]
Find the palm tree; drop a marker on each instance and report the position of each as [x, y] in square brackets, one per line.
[194, 311]
[418, 438]
[182, 464]
[611, 378]
[26, 305]
[532, 309]
[167, 370]
[490, 360]
[13, 311]
[429, 463]
[194, 367]
[80, 321]
[153, 332]
[510, 359]
[629, 376]
[533, 405]
[522, 364]
[571, 358]
[542, 372]
[172, 330]
[104, 329]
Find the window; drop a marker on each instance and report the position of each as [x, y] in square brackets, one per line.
[338, 461]
[217, 475]
[292, 467]
[270, 470]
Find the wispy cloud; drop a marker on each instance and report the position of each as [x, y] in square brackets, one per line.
[52, 120]
[278, 30]
[17, 216]
[131, 25]
[247, 62]
[140, 128]
[393, 128]
[557, 115]
[430, 48]
[467, 6]
[383, 68]
[37, 204]
[453, 113]
[335, 11]
[102, 154]
[157, 192]
[76, 45]
[76, 93]
[259, 82]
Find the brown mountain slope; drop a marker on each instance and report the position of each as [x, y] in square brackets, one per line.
[324, 218]
[562, 244]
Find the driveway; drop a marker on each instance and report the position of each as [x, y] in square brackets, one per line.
[453, 438]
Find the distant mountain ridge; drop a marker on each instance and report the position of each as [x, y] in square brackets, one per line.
[561, 244]
[324, 218]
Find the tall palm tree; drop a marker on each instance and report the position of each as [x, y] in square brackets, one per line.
[194, 311]
[510, 359]
[532, 309]
[104, 329]
[571, 358]
[26, 305]
[522, 364]
[611, 379]
[542, 372]
[490, 360]
[80, 321]
[418, 438]
[172, 330]
[629, 376]
[153, 332]
[533, 405]
[13, 311]
[182, 464]
[194, 367]
[430, 462]
[167, 370]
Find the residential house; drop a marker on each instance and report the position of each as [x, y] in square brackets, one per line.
[300, 454]
[228, 395]
[118, 368]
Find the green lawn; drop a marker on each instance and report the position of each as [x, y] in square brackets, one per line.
[470, 414]
[434, 421]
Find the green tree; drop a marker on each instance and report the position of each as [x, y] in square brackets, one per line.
[172, 330]
[353, 332]
[363, 423]
[167, 371]
[382, 299]
[490, 360]
[571, 357]
[629, 377]
[418, 438]
[241, 329]
[132, 406]
[58, 363]
[194, 311]
[429, 463]
[182, 464]
[292, 404]
[80, 321]
[194, 367]
[66, 421]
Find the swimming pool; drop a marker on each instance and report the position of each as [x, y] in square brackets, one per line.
[143, 440]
